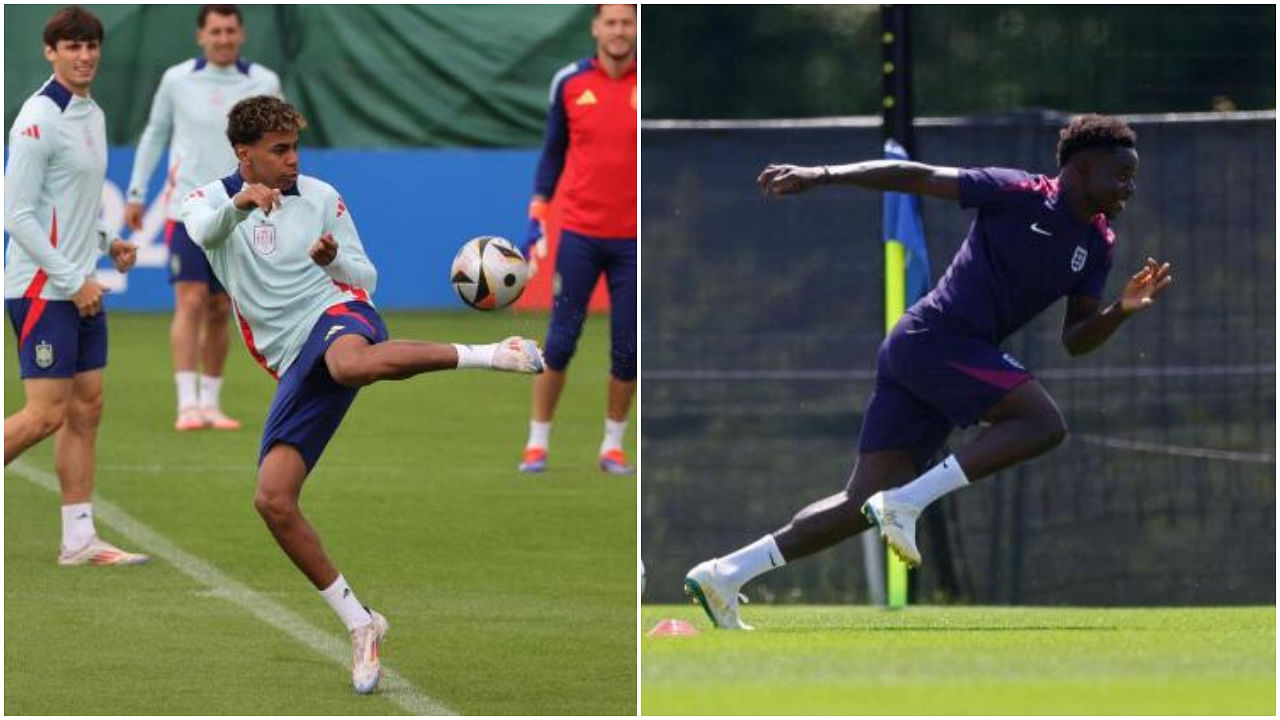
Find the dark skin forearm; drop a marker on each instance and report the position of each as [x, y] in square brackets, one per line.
[1089, 334]
[885, 175]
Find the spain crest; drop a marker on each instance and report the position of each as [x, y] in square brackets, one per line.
[44, 355]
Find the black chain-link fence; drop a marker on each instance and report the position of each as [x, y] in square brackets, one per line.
[761, 318]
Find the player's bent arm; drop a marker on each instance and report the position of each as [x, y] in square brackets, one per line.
[24, 178]
[898, 176]
[1085, 328]
[351, 265]
[154, 140]
[209, 226]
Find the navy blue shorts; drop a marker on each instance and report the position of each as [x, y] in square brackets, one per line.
[579, 261]
[54, 341]
[187, 262]
[930, 380]
[309, 405]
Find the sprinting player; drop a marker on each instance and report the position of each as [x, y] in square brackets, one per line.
[52, 202]
[591, 137]
[190, 109]
[287, 250]
[1035, 240]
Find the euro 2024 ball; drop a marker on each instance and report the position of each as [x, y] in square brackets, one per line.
[489, 273]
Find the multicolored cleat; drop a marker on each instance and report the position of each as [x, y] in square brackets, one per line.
[534, 461]
[897, 524]
[614, 462]
[189, 419]
[516, 354]
[718, 598]
[214, 417]
[97, 552]
[366, 641]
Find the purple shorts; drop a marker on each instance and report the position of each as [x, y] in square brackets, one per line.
[54, 341]
[930, 380]
[187, 262]
[309, 405]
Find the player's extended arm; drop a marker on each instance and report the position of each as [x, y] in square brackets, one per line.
[154, 140]
[550, 165]
[1085, 328]
[23, 180]
[887, 175]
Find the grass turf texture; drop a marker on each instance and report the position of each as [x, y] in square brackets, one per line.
[964, 660]
[506, 593]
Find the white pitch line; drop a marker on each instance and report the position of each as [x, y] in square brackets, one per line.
[394, 687]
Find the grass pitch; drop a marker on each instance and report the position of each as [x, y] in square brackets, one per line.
[964, 660]
[506, 593]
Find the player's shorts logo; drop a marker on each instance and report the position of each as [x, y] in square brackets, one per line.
[175, 265]
[1078, 258]
[1012, 361]
[44, 355]
[555, 284]
[264, 239]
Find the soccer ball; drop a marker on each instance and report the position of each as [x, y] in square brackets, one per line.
[488, 273]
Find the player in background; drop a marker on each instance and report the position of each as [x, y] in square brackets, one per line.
[189, 114]
[287, 250]
[591, 139]
[52, 204]
[1035, 240]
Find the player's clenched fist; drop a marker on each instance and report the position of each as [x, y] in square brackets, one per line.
[325, 250]
[790, 179]
[255, 195]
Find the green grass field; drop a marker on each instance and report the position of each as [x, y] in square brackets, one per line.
[964, 661]
[507, 594]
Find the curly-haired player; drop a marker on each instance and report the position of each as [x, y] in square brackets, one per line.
[285, 247]
[1035, 240]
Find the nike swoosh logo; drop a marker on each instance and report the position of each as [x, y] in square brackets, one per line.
[1041, 231]
[332, 330]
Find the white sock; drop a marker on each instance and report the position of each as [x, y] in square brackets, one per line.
[743, 565]
[475, 356]
[539, 435]
[613, 432]
[936, 482]
[210, 387]
[77, 525]
[187, 395]
[343, 601]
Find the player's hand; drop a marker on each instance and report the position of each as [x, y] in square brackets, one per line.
[1141, 290]
[123, 254]
[88, 299]
[133, 216]
[255, 195]
[535, 245]
[790, 179]
[325, 250]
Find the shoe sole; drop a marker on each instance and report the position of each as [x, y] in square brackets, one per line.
[532, 469]
[872, 518]
[613, 469]
[693, 591]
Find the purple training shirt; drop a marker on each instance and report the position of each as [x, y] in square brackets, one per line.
[1024, 251]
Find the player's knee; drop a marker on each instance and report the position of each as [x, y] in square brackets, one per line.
[1053, 429]
[218, 313]
[623, 364]
[275, 507]
[348, 370]
[48, 418]
[85, 413]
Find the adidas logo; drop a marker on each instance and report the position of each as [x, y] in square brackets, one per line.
[586, 98]
[34, 131]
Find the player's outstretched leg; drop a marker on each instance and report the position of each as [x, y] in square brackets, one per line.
[1025, 423]
[354, 362]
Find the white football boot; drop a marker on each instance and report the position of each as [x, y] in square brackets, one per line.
[717, 596]
[897, 524]
[516, 354]
[366, 642]
[97, 552]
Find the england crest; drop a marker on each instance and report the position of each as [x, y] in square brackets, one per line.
[1078, 258]
[264, 239]
[44, 355]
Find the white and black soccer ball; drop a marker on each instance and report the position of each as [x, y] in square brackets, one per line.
[489, 273]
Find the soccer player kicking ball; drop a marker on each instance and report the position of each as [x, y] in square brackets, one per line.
[1036, 239]
[285, 247]
[52, 200]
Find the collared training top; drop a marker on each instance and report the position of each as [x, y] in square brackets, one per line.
[53, 194]
[1025, 250]
[264, 261]
[591, 141]
[189, 113]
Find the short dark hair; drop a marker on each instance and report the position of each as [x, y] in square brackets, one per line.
[1093, 131]
[599, 8]
[72, 23]
[256, 116]
[218, 10]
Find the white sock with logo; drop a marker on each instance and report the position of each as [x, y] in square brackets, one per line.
[210, 388]
[187, 389]
[742, 566]
[939, 480]
[77, 525]
[343, 600]
[475, 356]
[613, 432]
[539, 435]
